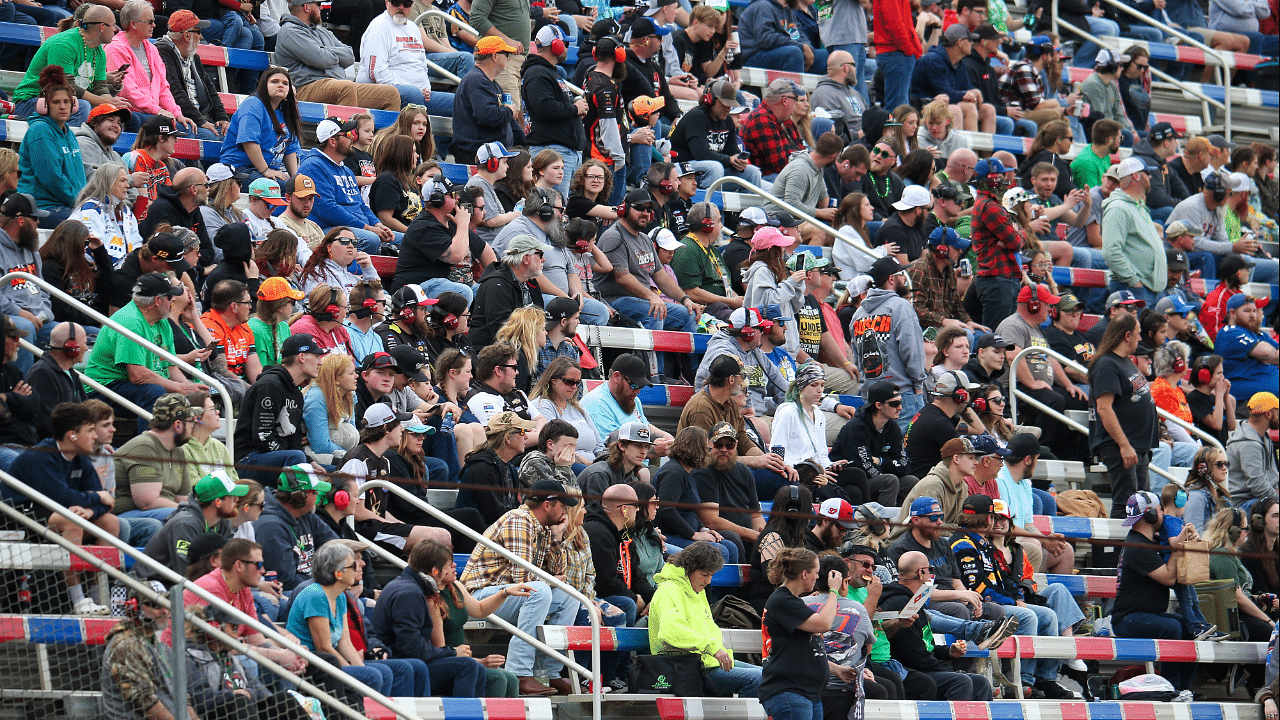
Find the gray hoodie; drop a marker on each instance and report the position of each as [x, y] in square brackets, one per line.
[94, 155]
[763, 289]
[888, 341]
[18, 295]
[766, 385]
[1237, 16]
[311, 53]
[169, 545]
[840, 98]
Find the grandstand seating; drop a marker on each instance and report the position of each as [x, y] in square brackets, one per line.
[675, 708]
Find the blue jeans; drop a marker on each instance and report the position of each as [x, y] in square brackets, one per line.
[1259, 44]
[457, 62]
[378, 677]
[440, 105]
[619, 190]
[46, 15]
[160, 514]
[859, 53]
[727, 549]
[637, 309]
[544, 606]
[1204, 261]
[1088, 50]
[1159, 626]
[743, 679]
[369, 242]
[639, 159]
[144, 396]
[710, 171]
[792, 706]
[1265, 270]
[911, 404]
[463, 676]
[8, 51]
[788, 58]
[952, 625]
[1043, 503]
[594, 312]
[572, 160]
[998, 296]
[1063, 605]
[767, 481]
[232, 31]
[57, 213]
[897, 68]
[271, 462]
[1006, 125]
[433, 287]
[1138, 31]
[137, 531]
[408, 676]
[1189, 606]
[1036, 620]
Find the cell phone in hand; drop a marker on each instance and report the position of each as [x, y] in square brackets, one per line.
[211, 346]
[123, 67]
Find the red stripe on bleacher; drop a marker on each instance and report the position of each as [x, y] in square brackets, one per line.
[229, 102]
[505, 709]
[1179, 122]
[1198, 286]
[342, 112]
[579, 638]
[212, 55]
[671, 708]
[1088, 277]
[1043, 523]
[1139, 711]
[374, 710]
[1087, 321]
[1177, 650]
[1245, 61]
[109, 555]
[12, 628]
[1099, 586]
[772, 75]
[672, 341]
[1094, 648]
[96, 629]
[1191, 55]
[679, 395]
[1074, 711]
[384, 264]
[971, 710]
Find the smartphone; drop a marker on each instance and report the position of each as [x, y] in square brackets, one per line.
[211, 346]
[124, 67]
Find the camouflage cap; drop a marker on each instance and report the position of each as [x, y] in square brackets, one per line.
[171, 407]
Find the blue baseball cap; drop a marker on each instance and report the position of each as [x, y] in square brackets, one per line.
[925, 505]
[943, 235]
[773, 312]
[988, 445]
[989, 167]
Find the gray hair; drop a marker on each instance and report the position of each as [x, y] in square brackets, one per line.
[145, 301]
[329, 561]
[1162, 359]
[700, 556]
[133, 10]
[100, 183]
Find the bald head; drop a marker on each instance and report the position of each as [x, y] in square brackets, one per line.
[617, 494]
[960, 165]
[911, 562]
[187, 177]
[99, 13]
[836, 62]
[61, 333]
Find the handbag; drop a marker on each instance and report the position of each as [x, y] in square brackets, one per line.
[675, 674]
[1193, 566]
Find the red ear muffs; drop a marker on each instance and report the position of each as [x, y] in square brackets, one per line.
[332, 310]
[341, 499]
[664, 187]
[961, 396]
[491, 165]
[1054, 313]
[747, 333]
[619, 55]
[1033, 305]
[1179, 364]
[42, 108]
[980, 404]
[406, 312]
[1203, 375]
[450, 321]
[1203, 468]
[131, 609]
[582, 247]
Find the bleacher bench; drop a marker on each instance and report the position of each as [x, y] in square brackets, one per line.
[706, 708]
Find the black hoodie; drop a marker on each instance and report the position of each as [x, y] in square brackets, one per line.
[167, 208]
[236, 242]
[289, 543]
[206, 99]
[647, 78]
[270, 414]
[553, 118]
[498, 295]
[913, 645]
[859, 442]
[123, 280]
[486, 470]
[608, 543]
[1167, 189]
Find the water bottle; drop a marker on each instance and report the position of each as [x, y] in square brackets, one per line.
[447, 422]
[731, 54]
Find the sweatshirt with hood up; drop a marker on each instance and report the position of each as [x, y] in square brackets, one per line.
[289, 544]
[888, 342]
[763, 289]
[19, 295]
[170, 543]
[236, 242]
[859, 442]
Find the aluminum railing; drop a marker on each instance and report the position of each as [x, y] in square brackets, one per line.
[170, 576]
[228, 413]
[467, 28]
[592, 611]
[1015, 394]
[97, 386]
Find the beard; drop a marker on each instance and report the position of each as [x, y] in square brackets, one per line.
[399, 18]
[555, 233]
[29, 237]
[627, 404]
[723, 463]
[1254, 326]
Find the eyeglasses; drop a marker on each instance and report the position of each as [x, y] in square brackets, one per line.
[251, 563]
[726, 444]
[352, 566]
[881, 153]
[594, 177]
[558, 208]
[348, 242]
[1222, 464]
[112, 24]
[150, 22]
[243, 302]
[570, 382]
[257, 505]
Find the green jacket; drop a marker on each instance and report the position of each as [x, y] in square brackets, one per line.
[680, 619]
[49, 162]
[1130, 244]
[84, 66]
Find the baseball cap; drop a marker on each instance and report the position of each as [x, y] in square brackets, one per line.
[753, 216]
[217, 485]
[507, 420]
[644, 27]
[666, 240]
[745, 317]
[1001, 508]
[722, 430]
[377, 361]
[987, 31]
[1043, 42]
[1238, 301]
[300, 478]
[958, 446]
[548, 34]
[1173, 304]
[169, 248]
[1143, 350]
[782, 218]
[925, 505]
[1176, 260]
[204, 545]
[184, 20]
[300, 185]
[806, 261]
[990, 166]
[106, 109]
[773, 313]
[410, 295]
[768, 236]
[12, 330]
[1124, 297]
[409, 362]
[1139, 503]
[636, 432]
[547, 489]
[20, 204]
[1220, 142]
[881, 391]
[977, 504]
[837, 509]
[218, 172]
[724, 366]
[331, 126]
[1022, 445]
[1109, 57]
[952, 380]
[161, 125]
[492, 45]
[1263, 402]
[633, 369]
[943, 235]
[993, 340]
[653, 6]
[1176, 229]
[883, 268]
[1113, 172]
[1214, 180]
[172, 406]
[380, 414]
[728, 96]
[156, 285]
[1067, 301]
[1162, 131]
[958, 32]
[643, 106]
[685, 169]
[491, 150]
[914, 196]
[277, 288]
[1238, 182]
[526, 243]
[300, 343]
[987, 445]
[560, 308]
[1014, 197]
[1042, 294]
[267, 190]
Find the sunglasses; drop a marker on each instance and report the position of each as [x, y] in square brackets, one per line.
[635, 386]
[1222, 464]
[257, 564]
[348, 242]
[894, 403]
[726, 444]
[401, 3]
[932, 518]
[996, 399]
[570, 382]
[881, 153]
[643, 209]
[510, 367]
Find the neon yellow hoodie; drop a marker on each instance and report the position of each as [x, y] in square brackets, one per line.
[680, 619]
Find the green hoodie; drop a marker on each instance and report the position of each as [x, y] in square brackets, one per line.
[680, 619]
[50, 165]
[1130, 244]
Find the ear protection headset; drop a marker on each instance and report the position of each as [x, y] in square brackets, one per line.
[960, 395]
[400, 303]
[1179, 364]
[793, 501]
[875, 524]
[367, 306]
[341, 499]
[557, 46]
[71, 348]
[609, 44]
[1054, 313]
[712, 93]
[1256, 517]
[980, 405]
[543, 205]
[491, 165]
[707, 223]
[436, 197]
[449, 321]
[1034, 304]
[1220, 187]
[1180, 500]
[1237, 525]
[297, 499]
[329, 312]
[1202, 375]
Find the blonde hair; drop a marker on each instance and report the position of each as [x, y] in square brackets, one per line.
[521, 328]
[1217, 527]
[220, 200]
[8, 161]
[935, 112]
[574, 533]
[340, 405]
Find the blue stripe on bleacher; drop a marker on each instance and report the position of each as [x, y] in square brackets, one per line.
[243, 59]
[653, 395]
[1137, 650]
[1106, 711]
[1006, 711]
[632, 637]
[934, 710]
[700, 341]
[20, 34]
[1205, 711]
[463, 708]
[1073, 527]
[1075, 584]
[54, 631]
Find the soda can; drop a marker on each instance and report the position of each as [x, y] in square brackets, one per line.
[779, 450]
[270, 576]
[506, 98]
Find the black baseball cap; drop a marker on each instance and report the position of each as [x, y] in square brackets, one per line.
[300, 343]
[884, 268]
[560, 308]
[633, 369]
[18, 204]
[725, 366]
[161, 125]
[987, 31]
[410, 362]
[1022, 445]
[551, 490]
[156, 285]
[169, 248]
[993, 340]
[881, 392]
[977, 504]
[787, 220]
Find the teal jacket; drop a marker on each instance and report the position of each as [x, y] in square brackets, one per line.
[49, 164]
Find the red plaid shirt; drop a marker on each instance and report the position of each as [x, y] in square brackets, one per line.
[769, 141]
[996, 238]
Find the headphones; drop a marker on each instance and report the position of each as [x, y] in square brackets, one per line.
[1054, 313]
[608, 44]
[707, 223]
[980, 405]
[1179, 364]
[341, 499]
[1034, 304]
[436, 198]
[450, 321]
[1202, 469]
[1202, 375]
[1256, 518]
[747, 333]
[543, 205]
[712, 93]
[329, 312]
[557, 46]
[366, 308]
[960, 395]
[1180, 500]
[491, 165]
[1237, 524]
[400, 303]
[793, 503]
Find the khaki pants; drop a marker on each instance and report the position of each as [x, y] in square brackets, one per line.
[509, 80]
[1042, 117]
[345, 92]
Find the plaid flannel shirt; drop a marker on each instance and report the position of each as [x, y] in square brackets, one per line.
[769, 141]
[580, 569]
[935, 297]
[1021, 84]
[996, 237]
[550, 352]
[521, 534]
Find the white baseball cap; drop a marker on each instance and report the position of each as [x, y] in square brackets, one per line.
[913, 196]
[666, 240]
[1129, 166]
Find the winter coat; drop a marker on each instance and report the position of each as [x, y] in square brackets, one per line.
[549, 106]
[485, 468]
[498, 295]
[680, 619]
[167, 208]
[270, 415]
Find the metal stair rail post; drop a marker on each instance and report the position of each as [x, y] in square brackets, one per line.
[433, 12]
[727, 179]
[592, 611]
[228, 411]
[1016, 393]
[97, 386]
[172, 577]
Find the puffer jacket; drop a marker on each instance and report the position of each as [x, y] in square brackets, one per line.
[680, 619]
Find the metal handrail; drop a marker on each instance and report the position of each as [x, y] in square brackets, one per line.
[727, 179]
[592, 611]
[467, 28]
[1062, 418]
[97, 386]
[172, 577]
[228, 410]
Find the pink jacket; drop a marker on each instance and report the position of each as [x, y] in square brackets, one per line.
[148, 94]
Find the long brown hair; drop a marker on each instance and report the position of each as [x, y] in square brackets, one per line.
[417, 465]
[402, 126]
[315, 263]
[514, 182]
[277, 256]
[1120, 326]
[66, 246]
[395, 156]
[850, 213]
[1270, 568]
[771, 257]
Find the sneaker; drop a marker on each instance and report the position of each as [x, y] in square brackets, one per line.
[87, 606]
[616, 685]
[1185, 696]
[1076, 665]
[1204, 632]
[998, 632]
[1235, 675]
[1216, 636]
[1031, 693]
[1007, 687]
[1053, 691]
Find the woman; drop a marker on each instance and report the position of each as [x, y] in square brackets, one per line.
[152, 153]
[49, 165]
[1267, 193]
[104, 209]
[548, 170]
[953, 350]
[788, 523]
[648, 546]
[393, 196]
[248, 510]
[1264, 520]
[518, 182]
[453, 381]
[413, 123]
[489, 477]
[1206, 486]
[796, 669]
[328, 409]
[263, 137]
[277, 256]
[447, 323]
[145, 84]
[853, 214]
[1040, 265]
[1052, 144]
[1227, 532]
[589, 193]
[993, 419]
[451, 607]
[800, 427]
[270, 321]
[409, 471]
[675, 484]
[526, 328]
[224, 193]
[190, 336]
[329, 262]
[765, 274]
[203, 452]
[556, 397]
[65, 262]
[903, 126]
[318, 619]
[1154, 328]
[847, 643]
[680, 620]
[1017, 201]
[802, 117]
[323, 320]
[1233, 274]
[1170, 362]
[9, 172]
[917, 168]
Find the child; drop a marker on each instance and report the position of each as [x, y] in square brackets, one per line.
[935, 130]
[361, 162]
[1172, 500]
[462, 40]
[643, 113]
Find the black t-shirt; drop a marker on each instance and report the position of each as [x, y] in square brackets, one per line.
[734, 490]
[1136, 591]
[1201, 405]
[603, 103]
[425, 242]
[1075, 346]
[387, 193]
[793, 658]
[910, 240]
[942, 562]
[675, 218]
[734, 254]
[577, 206]
[930, 430]
[883, 192]
[810, 324]
[360, 163]
[1134, 408]
[693, 55]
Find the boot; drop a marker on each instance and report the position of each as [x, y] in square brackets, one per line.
[529, 685]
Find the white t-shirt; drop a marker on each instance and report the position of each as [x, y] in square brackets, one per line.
[803, 438]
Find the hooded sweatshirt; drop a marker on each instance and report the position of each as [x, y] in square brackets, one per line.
[274, 418]
[841, 98]
[66, 482]
[859, 442]
[486, 469]
[611, 554]
[763, 289]
[978, 569]
[887, 339]
[766, 385]
[1167, 189]
[401, 617]
[913, 645]
[498, 295]
[765, 25]
[310, 53]
[236, 243]
[338, 199]
[144, 85]
[937, 485]
[18, 295]
[1130, 244]
[680, 619]
[800, 183]
[49, 164]
[289, 544]
[550, 116]
[167, 208]
[185, 524]
[937, 75]
[93, 154]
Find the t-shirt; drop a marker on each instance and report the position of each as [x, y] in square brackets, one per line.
[735, 489]
[930, 430]
[910, 240]
[1087, 169]
[312, 602]
[942, 562]
[388, 193]
[112, 352]
[1201, 406]
[254, 123]
[850, 637]
[361, 163]
[1136, 591]
[1075, 346]
[633, 253]
[492, 207]
[1079, 236]
[556, 265]
[696, 266]
[692, 54]
[606, 413]
[1234, 344]
[1134, 408]
[1024, 335]
[157, 174]
[425, 243]
[793, 658]
[266, 343]
[144, 459]
[810, 324]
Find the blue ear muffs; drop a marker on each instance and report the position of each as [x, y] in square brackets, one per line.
[1180, 500]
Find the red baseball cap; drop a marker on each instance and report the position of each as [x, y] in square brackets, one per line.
[1042, 290]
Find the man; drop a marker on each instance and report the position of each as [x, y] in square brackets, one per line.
[906, 227]
[838, 94]
[494, 388]
[1253, 475]
[392, 53]
[727, 482]
[126, 367]
[137, 679]
[815, 338]
[511, 23]
[1189, 167]
[959, 168]
[406, 324]
[549, 232]
[163, 253]
[482, 111]
[1212, 406]
[193, 91]
[1121, 302]
[1123, 427]
[952, 202]
[937, 302]
[985, 78]
[872, 441]
[1102, 91]
[436, 240]
[1207, 211]
[339, 202]
[700, 271]
[504, 287]
[228, 322]
[997, 238]
[1167, 189]
[912, 644]
[1179, 313]
[317, 63]
[1092, 162]
[645, 74]
[368, 311]
[97, 138]
[887, 339]
[801, 182]
[768, 135]
[491, 166]
[695, 52]
[897, 49]
[209, 509]
[881, 185]
[845, 175]
[608, 525]
[706, 138]
[1064, 336]
[150, 477]
[289, 530]
[179, 206]
[627, 288]
[81, 55]
[534, 532]
[1071, 210]
[1046, 552]
[940, 76]
[300, 196]
[27, 305]
[269, 432]
[765, 383]
[936, 422]
[626, 457]
[1023, 84]
[53, 379]
[676, 210]
[834, 518]
[991, 352]
[264, 199]
[375, 382]
[554, 114]
[1130, 243]
[615, 402]
[562, 325]
[1249, 355]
